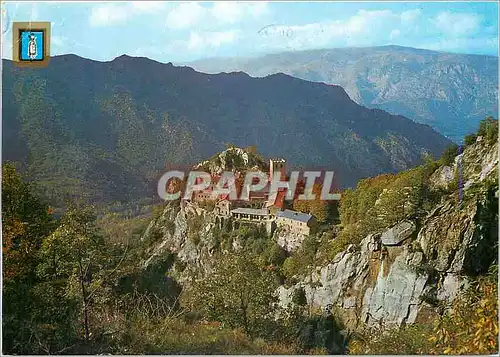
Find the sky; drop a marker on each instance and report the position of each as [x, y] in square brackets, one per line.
[181, 32]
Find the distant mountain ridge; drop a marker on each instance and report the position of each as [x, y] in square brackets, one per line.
[451, 92]
[106, 130]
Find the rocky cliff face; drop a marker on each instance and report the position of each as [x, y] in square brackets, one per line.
[400, 276]
[407, 272]
[185, 230]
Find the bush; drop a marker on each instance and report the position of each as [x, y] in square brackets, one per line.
[322, 333]
[470, 139]
[299, 297]
[302, 259]
[488, 129]
[449, 155]
[237, 293]
[141, 335]
[273, 254]
[407, 340]
[207, 205]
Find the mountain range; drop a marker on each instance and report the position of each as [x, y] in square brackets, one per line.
[107, 130]
[451, 92]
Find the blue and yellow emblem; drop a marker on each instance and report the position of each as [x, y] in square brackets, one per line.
[31, 44]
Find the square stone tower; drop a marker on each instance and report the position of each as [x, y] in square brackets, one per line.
[276, 165]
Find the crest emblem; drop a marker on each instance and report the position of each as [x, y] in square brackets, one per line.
[31, 44]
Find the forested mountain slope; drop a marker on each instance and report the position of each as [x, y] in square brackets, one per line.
[107, 129]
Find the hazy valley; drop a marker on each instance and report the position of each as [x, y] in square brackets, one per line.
[451, 92]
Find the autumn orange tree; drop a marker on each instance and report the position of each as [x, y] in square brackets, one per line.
[472, 325]
[320, 209]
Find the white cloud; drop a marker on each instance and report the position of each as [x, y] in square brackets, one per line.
[446, 32]
[6, 24]
[7, 47]
[457, 24]
[199, 41]
[185, 15]
[34, 16]
[192, 14]
[458, 44]
[108, 15]
[58, 40]
[148, 6]
[410, 15]
[365, 28]
[394, 34]
[259, 8]
[362, 28]
[233, 12]
[227, 11]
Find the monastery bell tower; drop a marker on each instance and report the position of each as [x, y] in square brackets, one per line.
[276, 165]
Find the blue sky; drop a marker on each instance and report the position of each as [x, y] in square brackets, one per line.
[186, 31]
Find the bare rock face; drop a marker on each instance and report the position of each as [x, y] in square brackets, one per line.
[183, 229]
[397, 234]
[395, 297]
[393, 277]
[290, 241]
[444, 176]
[375, 285]
[476, 164]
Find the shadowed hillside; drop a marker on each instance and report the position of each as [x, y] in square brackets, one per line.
[106, 130]
[451, 92]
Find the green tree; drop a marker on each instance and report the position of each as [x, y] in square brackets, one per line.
[302, 259]
[488, 129]
[237, 293]
[36, 316]
[25, 221]
[470, 139]
[449, 154]
[403, 198]
[74, 254]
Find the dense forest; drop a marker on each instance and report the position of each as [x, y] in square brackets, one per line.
[105, 131]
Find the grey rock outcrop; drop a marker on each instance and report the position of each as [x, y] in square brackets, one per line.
[374, 285]
[404, 273]
[394, 277]
[397, 234]
[290, 241]
[186, 230]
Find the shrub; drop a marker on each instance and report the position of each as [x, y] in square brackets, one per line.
[142, 335]
[449, 155]
[322, 333]
[299, 297]
[273, 254]
[488, 129]
[207, 205]
[470, 139]
[407, 340]
[237, 293]
[302, 259]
